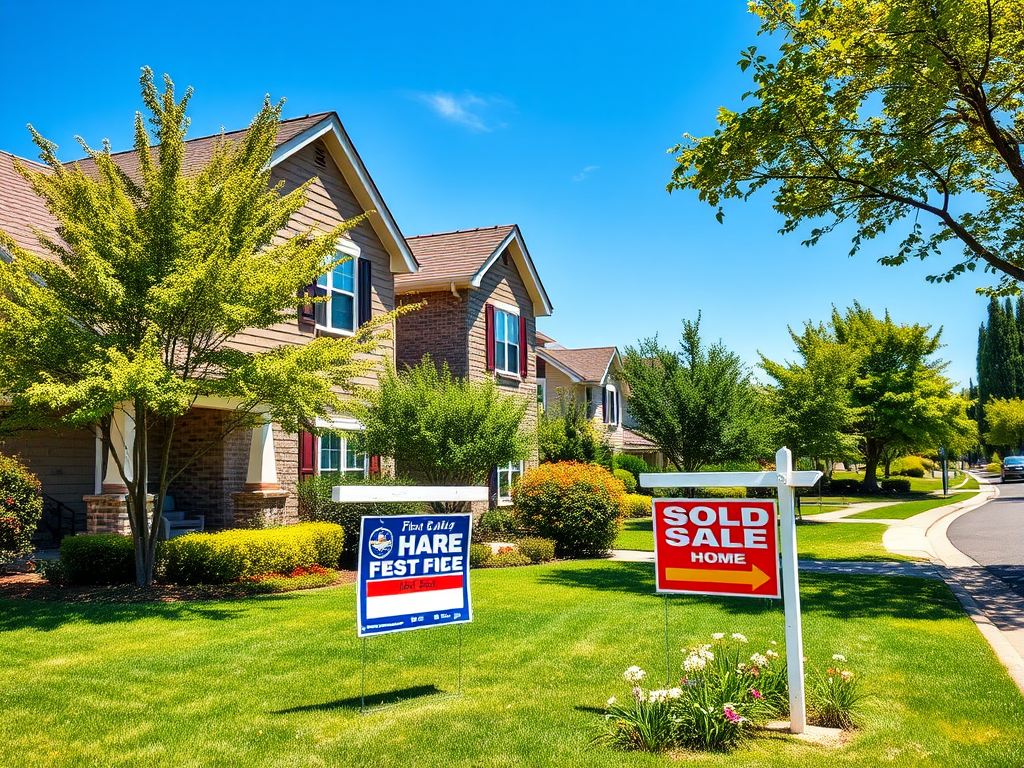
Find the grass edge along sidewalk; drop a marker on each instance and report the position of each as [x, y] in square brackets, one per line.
[908, 509]
[275, 680]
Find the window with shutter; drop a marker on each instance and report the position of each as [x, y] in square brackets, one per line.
[489, 335]
[364, 297]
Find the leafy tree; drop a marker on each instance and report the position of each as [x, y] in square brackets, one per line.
[444, 430]
[897, 388]
[1005, 418]
[812, 399]
[567, 433]
[696, 404]
[878, 114]
[153, 276]
[1001, 354]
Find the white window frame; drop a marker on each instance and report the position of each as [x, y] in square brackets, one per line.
[352, 251]
[342, 458]
[513, 468]
[542, 386]
[611, 398]
[503, 314]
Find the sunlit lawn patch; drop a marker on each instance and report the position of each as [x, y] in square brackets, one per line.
[911, 508]
[274, 681]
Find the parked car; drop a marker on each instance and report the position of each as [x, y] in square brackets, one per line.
[1013, 468]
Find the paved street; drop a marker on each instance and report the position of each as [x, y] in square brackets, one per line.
[993, 534]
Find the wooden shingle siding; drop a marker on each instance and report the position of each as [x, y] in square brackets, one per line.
[329, 202]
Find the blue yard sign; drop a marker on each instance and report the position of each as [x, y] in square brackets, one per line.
[413, 573]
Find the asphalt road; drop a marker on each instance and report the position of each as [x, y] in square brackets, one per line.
[993, 534]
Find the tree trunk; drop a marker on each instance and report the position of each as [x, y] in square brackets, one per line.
[872, 454]
[887, 463]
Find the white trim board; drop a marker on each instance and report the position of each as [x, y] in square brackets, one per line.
[365, 493]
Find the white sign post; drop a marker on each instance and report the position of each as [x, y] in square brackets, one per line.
[786, 481]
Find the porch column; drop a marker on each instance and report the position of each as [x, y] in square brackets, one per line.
[261, 501]
[122, 443]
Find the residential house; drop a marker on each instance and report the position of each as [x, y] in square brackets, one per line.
[482, 299]
[251, 473]
[588, 375]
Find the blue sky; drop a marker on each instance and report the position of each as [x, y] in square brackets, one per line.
[555, 116]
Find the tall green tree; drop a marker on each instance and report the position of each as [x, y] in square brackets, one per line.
[566, 432]
[442, 429]
[1005, 418]
[812, 399]
[902, 398]
[153, 276]
[881, 115]
[698, 403]
[1000, 355]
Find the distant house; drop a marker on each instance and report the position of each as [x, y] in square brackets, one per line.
[249, 474]
[588, 375]
[483, 297]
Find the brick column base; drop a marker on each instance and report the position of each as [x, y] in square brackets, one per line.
[108, 513]
[256, 509]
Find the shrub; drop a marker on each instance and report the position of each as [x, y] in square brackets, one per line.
[218, 558]
[52, 571]
[833, 695]
[496, 524]
[914, 472]
[300, 578]
[577, 505]
[479, 554]
[103, 558]
[896, 485]
[315, 505]
[632, 464]
[721, 493]
[636, 505]
[628, 481]
[844, 485]
[908, 466]
[536, 549]
[507, 558]
[994, 468]
[21, 507]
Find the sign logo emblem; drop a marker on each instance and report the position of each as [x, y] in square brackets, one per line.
[381, 542]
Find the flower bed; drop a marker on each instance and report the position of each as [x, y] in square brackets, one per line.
[300, 578]
[723, 694]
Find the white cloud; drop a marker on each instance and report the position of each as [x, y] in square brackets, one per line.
[473, 111]
[585, 172]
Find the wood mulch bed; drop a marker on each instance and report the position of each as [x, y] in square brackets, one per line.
[30, 586]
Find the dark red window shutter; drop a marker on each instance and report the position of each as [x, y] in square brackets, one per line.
[604, 404]
[522, 346]
[307, 313]
[489, 333]
[618, 407]
[364, 295]
[374, 466]
[307, 455]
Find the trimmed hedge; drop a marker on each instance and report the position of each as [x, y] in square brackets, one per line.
[478, 555]
[538, 550]
[219, 558]
[577, 505]
[897, 485]
[628, 481]
[636, 505]
[315, 505]
[507, 559]
[101, 558]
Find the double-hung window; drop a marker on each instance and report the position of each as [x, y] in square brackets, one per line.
[341, 454]
[338, 313]
[506, 342]
[611, 405]
[508, 476]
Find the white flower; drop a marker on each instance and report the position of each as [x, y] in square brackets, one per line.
[774, 643]
[633, 675]
[771, 654]
[758, 660]
[675, 693]
[846, 674]
[838, 657]
[658, 697]
[738, 637]
[694, 663]
[718, 635]
[611, 701]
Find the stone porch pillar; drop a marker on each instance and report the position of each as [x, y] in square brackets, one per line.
[261, 500]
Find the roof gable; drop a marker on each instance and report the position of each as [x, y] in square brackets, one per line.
[591, 365]
[461, 259]
[23, 210]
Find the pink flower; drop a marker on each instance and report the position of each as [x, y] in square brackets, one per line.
[730, 714]
[756, 694]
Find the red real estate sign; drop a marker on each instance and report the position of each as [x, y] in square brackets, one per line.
[716, 547]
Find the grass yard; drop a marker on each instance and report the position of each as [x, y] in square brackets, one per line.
[911, 508]
[809, 510]
[275, 681]
[815, 541]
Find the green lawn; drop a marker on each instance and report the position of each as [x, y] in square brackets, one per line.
[275, 681]
[911, 508]
[972, 484]
[809, 510]
[815, 541]
[918, 487]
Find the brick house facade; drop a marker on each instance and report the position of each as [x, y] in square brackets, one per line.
[252, 473]
[482, 296]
